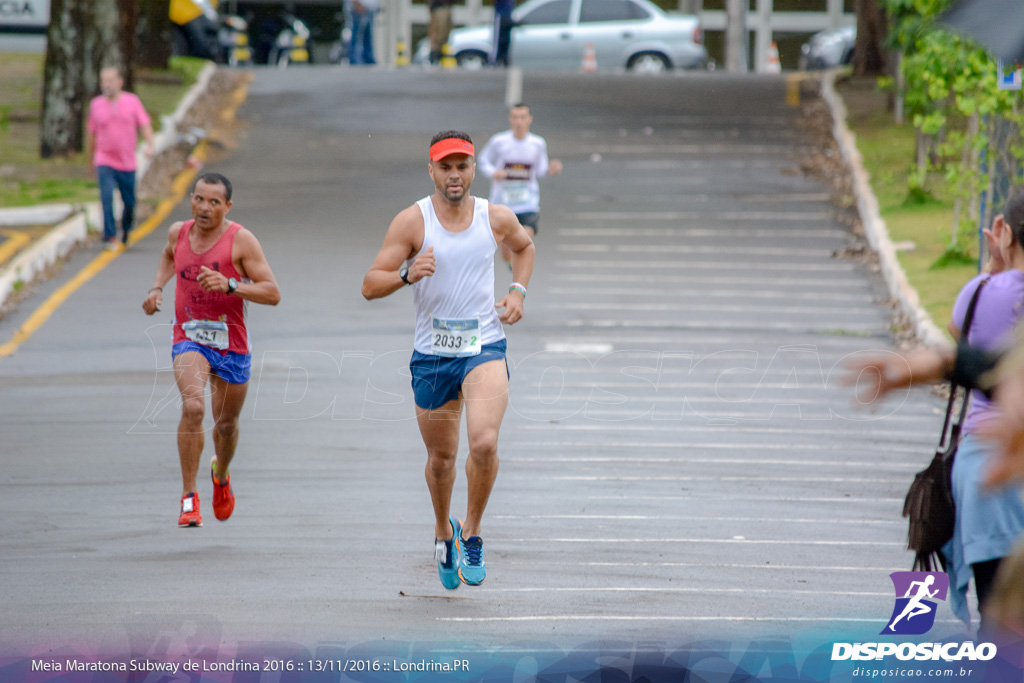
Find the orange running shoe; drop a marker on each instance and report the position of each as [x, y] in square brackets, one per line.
[223, 496]
[190, 511]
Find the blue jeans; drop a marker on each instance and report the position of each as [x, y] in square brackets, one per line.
[125, 181]
[360, 49]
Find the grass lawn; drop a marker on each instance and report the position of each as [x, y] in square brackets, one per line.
[25, 179]
[888, 153]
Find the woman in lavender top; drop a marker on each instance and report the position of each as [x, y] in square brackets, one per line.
[988, 522]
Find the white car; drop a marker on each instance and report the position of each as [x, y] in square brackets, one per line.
[828, 49]
[555, 34]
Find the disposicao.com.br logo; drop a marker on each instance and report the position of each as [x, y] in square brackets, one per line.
[914, 614]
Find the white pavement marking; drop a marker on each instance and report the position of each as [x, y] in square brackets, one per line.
[633, 233]
[514, 86]
[870, 312]
[840, 325]
[685, 589]
[759, 478]
[732, 353]
[755, 216]
[723, 250]
[778, 151]
[650, 293]
[765, 499]
[722, 565]
[803, 430]
[872, 465]
[925, 423]
[714, 445]
[708, 518]
[701, 198]
[653, 180]
[710, 282]
[548, 540]
[642, 266]
[578, 347]
[751, 122]
[879, 341]
[669, 164]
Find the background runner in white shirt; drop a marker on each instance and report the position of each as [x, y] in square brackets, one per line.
[514, 161]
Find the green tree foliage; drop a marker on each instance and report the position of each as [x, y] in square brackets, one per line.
[951, 96]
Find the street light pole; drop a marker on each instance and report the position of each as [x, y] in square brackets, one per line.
[736, 36]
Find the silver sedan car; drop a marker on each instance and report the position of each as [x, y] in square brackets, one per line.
[828, 49]
[557, 34]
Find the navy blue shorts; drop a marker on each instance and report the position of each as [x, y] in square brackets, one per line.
[529, 218]
[436, 380]
[233, 368]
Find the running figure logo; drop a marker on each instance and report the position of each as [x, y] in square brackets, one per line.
[914, 612]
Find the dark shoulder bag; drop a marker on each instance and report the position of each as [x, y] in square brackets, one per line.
[929, 504]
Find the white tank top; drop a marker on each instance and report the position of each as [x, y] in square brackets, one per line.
[463, 285]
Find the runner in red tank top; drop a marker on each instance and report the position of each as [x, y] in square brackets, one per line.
[220, 267]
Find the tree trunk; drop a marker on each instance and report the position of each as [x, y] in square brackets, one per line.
[153, 47]
[103, 46]
[869, 55]
[82, 38]
[690, 6]
[128, 25]
[967, 160]
[63, 93]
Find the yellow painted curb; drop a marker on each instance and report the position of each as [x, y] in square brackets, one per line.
[793, 89]
[15, 241]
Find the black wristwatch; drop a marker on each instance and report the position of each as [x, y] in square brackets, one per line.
[232, 285]
[404, 274]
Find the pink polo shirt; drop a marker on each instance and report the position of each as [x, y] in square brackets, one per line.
[116, 127]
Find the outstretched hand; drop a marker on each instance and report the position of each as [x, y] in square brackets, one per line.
[878, 374]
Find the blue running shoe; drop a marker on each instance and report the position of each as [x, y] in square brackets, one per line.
[447, 555]
[472, 568]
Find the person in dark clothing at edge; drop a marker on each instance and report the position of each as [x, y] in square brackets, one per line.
[502, 32]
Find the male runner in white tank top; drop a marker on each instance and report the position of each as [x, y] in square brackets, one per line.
[443, 247]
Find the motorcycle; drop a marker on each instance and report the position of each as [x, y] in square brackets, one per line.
[282, 41]
[233, 41]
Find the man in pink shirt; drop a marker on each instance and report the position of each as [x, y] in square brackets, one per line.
[115, 119]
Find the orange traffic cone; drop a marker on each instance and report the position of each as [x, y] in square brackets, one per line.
[589, 63]
[773, 65]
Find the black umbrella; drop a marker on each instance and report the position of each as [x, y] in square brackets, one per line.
[996, 24]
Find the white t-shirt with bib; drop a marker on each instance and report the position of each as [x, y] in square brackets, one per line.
[524, 161]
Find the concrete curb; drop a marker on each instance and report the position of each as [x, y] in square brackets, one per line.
[874, 227]
[76, 219]
[57, 243]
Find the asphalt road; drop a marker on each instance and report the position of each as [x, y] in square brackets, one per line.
[679, 461]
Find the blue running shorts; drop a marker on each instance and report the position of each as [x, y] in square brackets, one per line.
[233, 368]
[530, 218]
[436, 380]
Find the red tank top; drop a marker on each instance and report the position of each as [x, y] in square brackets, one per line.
[217, 311]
